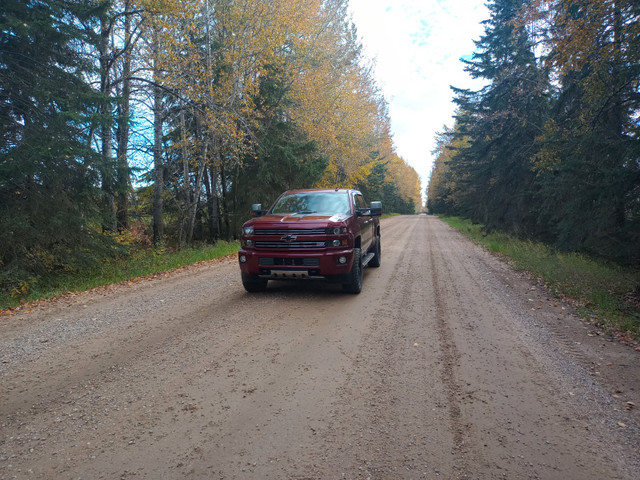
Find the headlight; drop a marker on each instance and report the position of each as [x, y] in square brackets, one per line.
[335, 231]
[247, 230]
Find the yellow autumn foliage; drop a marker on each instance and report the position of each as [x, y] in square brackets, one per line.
[214, 54]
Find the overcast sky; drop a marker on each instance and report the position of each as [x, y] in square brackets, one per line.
[417, 45]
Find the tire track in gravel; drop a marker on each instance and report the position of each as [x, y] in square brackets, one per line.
[356, 410]
[450, 355]
[393, 411]
[518, 417]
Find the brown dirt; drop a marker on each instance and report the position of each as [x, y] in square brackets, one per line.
[448, 365]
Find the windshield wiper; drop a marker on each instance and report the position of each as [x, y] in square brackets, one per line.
[306, 212]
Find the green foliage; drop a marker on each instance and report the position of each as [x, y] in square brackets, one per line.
[135, 262]
[380, 186]
[393, 202]
[48, 175]
[502, 121]
[557, 162]
[443, 192]
[599, 288]
[285, 158]
[588, 167]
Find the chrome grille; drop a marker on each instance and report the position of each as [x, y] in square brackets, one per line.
[299, 262]
[275, 244]
[293, 231]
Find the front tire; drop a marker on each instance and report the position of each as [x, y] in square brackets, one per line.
[253, 283]
[354, 284]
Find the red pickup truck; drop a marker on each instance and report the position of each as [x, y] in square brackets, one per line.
[329, 235]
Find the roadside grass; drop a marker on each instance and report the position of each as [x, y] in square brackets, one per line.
[139, 263]
[604, 293]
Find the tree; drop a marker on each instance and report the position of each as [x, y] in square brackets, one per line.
[118, 30]
[284, 158]
[443, 191]
[48, 170]
[501, 122]
[335, 97]
[588, 165]
[553, 160]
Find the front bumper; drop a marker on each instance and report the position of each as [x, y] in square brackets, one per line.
[278, 264]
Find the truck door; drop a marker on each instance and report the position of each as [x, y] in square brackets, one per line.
[365, 222]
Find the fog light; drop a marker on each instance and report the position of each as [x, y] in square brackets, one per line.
[243, 259]
[342, 260]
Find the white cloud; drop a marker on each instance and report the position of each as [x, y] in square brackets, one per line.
[417, 46]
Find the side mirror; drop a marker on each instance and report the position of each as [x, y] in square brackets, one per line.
[376, 209]
[256, 210]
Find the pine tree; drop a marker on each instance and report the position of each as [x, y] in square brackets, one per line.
[443, 191]
[284, 159]
[588, 165]
[502, 121]
[47, 110]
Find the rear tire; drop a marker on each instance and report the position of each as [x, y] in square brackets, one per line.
[375, 261]
[354, 284]
[253, 283]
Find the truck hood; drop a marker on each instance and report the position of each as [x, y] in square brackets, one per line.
[296, 218]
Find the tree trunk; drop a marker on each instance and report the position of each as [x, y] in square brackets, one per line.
[196, 199]
[158, 173]
[123, 176]
[225, 210]
[210, 182]
[616, 115]
[109, 218]
[186, 181]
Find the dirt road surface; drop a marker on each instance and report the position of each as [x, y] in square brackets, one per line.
[447, 366]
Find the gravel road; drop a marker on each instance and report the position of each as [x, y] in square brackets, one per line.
[448, 365]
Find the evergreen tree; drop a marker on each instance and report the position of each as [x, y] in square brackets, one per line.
[588, 165]
[502, 121]
[443, 190]
[285, 158]
[47, 168]
[381, 185]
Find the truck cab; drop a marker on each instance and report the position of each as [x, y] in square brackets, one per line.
[317, 234]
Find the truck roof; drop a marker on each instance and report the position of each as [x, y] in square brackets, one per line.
[327, 190]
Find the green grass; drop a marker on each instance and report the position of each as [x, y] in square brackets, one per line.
[138, 264]
[597, 288]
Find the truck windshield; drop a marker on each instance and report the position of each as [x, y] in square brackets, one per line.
[329, 203]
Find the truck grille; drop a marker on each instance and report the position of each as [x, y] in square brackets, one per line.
[297, 262]
[294, 231]
[277, 244]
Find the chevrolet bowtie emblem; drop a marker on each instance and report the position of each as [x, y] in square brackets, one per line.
[288, 238]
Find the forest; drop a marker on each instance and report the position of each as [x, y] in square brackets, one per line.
[159, 122]
[549, 147]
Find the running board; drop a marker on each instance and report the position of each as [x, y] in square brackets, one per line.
[368, 258]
